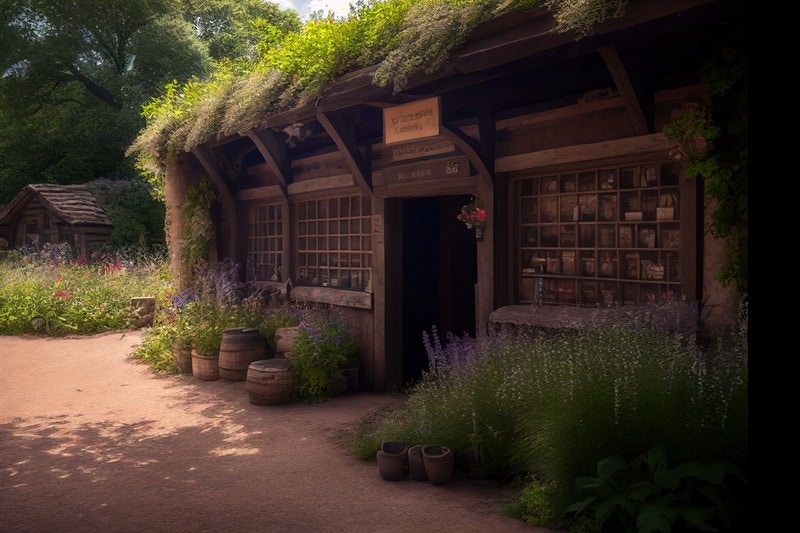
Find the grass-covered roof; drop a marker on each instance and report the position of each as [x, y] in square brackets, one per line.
[397, 38]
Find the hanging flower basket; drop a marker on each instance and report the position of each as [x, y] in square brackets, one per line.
[692, 128]
[473, 216]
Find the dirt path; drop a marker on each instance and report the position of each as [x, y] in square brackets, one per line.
[92, 441]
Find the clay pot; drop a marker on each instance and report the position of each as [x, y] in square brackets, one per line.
[439, 461]
[393, 460]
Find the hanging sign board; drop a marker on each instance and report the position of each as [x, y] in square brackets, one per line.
[408, 122]
[442, 167]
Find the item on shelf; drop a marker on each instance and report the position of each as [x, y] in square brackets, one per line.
[665, 213]
[647, 238]
[634, 215]
[553, 265]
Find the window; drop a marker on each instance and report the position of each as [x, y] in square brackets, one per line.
[265, 242]
[606, 236]
[334, 243]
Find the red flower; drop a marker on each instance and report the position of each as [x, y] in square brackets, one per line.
[62, 294]
[480, 214]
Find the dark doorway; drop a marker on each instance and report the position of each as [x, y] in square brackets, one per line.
[439, 275]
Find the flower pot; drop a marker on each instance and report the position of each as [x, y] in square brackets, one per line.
[393, 460]
[416, 464]
[205, 367]
[439, 461]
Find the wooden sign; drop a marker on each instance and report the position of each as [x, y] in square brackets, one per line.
[408, 122]
[443, 167]
[417, 150]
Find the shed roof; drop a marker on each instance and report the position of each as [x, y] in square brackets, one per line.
[75, 204]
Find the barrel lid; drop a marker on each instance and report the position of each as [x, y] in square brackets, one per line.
[276, 363]
[232, 330]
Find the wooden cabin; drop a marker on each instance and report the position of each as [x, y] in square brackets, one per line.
[48, 213]
[557, 139]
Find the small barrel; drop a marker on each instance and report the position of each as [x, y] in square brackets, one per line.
[269, 381]
[284, 339]
[239, 348]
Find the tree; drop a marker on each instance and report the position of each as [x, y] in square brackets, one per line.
[73, 77]
[237, 29]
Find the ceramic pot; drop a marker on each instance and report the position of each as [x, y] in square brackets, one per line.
[393, 460]
[439, 461]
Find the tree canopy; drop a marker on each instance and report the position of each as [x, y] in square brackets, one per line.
[74, 75]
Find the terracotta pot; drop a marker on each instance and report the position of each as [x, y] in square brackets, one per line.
[393, 460]
[439, 461]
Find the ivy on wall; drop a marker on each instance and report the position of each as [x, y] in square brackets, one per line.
[714, 146]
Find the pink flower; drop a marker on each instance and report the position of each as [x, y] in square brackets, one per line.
[62, 294]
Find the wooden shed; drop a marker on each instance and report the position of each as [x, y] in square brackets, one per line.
[557, 140]
[49, 213]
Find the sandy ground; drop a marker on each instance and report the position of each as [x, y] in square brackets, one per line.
[91, 440]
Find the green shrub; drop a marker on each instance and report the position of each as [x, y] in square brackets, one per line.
[47, 292]
[323, 345]
[647, 495]
[554, 405]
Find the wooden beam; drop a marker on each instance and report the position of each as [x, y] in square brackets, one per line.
[471, 148]
[655, 142]
[321, 184]
[274, 153]
[634, 99]
[343, 135]
[261, 193]
[204, 156]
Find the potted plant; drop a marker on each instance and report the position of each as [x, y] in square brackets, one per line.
[205, 351]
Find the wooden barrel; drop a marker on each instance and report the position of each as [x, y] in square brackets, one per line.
[284, 339]
[269, 381]
[205, 367]
[239, 348]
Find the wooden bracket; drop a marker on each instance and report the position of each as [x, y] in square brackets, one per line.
[343, 135]
[274, 153]
[633, 95]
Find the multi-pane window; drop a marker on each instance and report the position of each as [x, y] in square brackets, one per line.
[265, 242]
[607, 236]
[334, 243]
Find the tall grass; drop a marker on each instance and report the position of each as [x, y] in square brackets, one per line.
[552, 406]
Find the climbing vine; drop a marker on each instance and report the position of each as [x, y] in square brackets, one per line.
[714, 146]
[198, 230]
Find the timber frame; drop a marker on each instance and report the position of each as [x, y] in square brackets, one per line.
[518, 102]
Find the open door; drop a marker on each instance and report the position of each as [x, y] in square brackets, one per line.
[438, 276]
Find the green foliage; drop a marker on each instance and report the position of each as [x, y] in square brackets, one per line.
[401, 37]
[555, 405]
[137, 217]
[583, 15]
[198, 229]
[74, 80]
[723, 164]
[40, 293]
[430, 31]
[533, 505]
[646, 495]
[323, 345]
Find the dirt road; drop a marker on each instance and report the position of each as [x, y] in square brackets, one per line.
[93, 441]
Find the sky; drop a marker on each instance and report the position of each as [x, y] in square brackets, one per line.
[341, 8]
